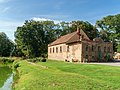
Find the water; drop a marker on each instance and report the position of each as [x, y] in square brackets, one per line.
[6, 78]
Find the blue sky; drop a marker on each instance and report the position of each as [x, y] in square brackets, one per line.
[13, 13]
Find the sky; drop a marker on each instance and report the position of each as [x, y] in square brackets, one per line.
[13, 13]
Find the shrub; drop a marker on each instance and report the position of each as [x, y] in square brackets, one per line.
[43, 60]
[37, 60]
[6, 60]
[16, 64]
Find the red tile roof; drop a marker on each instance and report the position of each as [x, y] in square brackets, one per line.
[69, 38]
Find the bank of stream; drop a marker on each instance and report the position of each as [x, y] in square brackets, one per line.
[6, 78]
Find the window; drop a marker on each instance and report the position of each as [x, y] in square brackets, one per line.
[60, 48]
[50, 50]
[68, 49]
[92, 48]
[82, 36]
[108, 49]
[53, 49]
[99, 48]
[86, 47]
[56, 49]
[104, 49]
[86, 56]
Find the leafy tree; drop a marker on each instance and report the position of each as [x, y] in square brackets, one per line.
[68, 27]
[33, 37]
[118, 48]
[109, 28]
[6, 45]
[89, 29]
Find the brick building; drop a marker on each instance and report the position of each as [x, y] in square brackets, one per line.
[77, 47]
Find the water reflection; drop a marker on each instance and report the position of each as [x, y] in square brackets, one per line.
[8, 83]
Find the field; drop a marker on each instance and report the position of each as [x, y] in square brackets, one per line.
[56, 75]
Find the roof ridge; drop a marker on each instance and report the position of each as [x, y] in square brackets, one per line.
[72, 35]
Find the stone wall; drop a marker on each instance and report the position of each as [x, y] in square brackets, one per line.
[97, 51]
[57, 52]
[82, 52]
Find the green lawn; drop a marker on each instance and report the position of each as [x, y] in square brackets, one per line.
[55, 75]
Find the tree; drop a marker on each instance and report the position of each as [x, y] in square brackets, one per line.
[109, 28]
[89, 29]
[68, 27]
[6, 45]
[33, 37]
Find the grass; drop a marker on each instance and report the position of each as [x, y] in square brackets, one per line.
[55, 75]
[5, 71]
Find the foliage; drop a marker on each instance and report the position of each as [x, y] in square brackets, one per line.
[54, 75]
[6, 45]
[89, 29]
[16, 64]
[33, 37]
[6, 60]
[68, 27]
[109, 28]
[118, 48]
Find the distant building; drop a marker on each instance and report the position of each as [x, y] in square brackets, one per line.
[77, 47]
[117, 56]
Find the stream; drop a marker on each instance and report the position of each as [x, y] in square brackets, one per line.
[6, 78]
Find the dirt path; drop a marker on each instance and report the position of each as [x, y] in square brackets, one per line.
[108, 63]
[38, 65]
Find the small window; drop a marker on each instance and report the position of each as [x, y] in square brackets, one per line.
[82, 36]
[86, 47]
[53, 50]
[104, 49]
[92, 48]
[86, 56]
[60, 48]
[108, 49]
[50, 50]
[99, 48]
[68, 49]
[56, 49]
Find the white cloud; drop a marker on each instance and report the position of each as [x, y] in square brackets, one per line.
[45, 19]
[4, 1]
[3, 10]
[40, 19]
[9, 27]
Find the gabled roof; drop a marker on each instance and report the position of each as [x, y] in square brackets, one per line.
[69, 38]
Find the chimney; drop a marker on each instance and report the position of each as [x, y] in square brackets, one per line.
[78, 32]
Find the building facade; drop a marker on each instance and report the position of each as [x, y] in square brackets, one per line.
[117, 55]
[77, 47]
